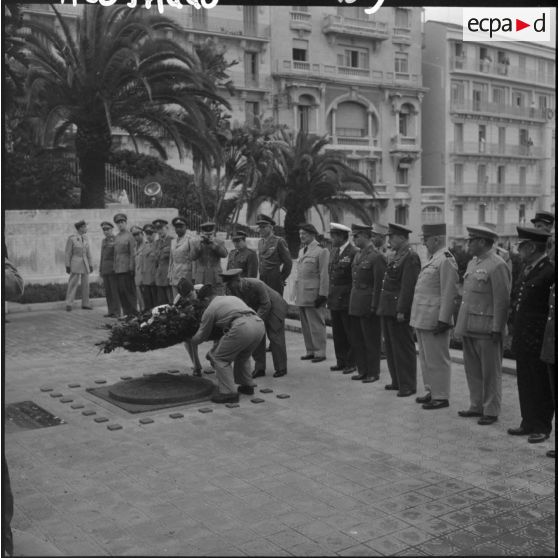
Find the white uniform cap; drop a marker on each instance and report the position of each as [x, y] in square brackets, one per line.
[338, 227]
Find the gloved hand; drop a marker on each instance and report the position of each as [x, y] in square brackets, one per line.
[441, 327]
[320, 301]
[67, 269]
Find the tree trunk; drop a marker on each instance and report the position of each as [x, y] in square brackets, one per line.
[294, 216]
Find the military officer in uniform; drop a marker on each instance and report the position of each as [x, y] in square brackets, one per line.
[481, 323]
[543, 220]
[396, 299]
[149, 269]
[180, 262]
[78, 266]
[530, 313]
[137, 233]
[432, 315]
[340, 280]
[206, 255]
[271, 308]
[379, 234]
[106, 271]
[310, 292]
[367, 270]
[273, 254]
[125, 265]
[162, 251]
[242, 257]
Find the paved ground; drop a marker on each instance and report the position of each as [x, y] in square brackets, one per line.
[339, 468]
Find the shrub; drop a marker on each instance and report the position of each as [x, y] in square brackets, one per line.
[56, 292]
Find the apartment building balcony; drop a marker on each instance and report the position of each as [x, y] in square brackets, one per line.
[505, 190]
[244, 81]
[402, 192]
[206, 23]
[405, 144]
[346, 26]
[301, 21]
[500, 70]
[432, 194]
[478, 149]
[484, 108]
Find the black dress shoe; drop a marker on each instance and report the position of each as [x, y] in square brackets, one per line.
[487, 419]
[518, 431]
[358, 377]
[307, 357]
[468, 414]
[246, 390]
[370, 379]
[436, 404]
[406, 392]
[551, 453]
[391, 387]
[225, 398]
[318, 359]
[87, 307]
[425, 398]
[349, 370]
[279, 373]
[537, 437]
[336, 368]
[258, 373]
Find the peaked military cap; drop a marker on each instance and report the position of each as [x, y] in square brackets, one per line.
[178, 220]
[434, 229]
[262, 219]
[136, 228]
[544, 217]
[481, 232]
[308, 227]
[120, 217]
[158, 223]
[79, 224]
[394, 228]
[230, 274]
[148, 228]
[530, 234]
[379, 229]
[360, 228]
[240, 235]
[107, 224]
[338, 227]
[207, 227]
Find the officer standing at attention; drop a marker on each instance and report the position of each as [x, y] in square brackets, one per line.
[106, 271]
[180, 262]
[273, 254]
[543, 220]
[368, 271]
[481, 323]
[207, 253]
[432, 314]
[396, 299]
[272, 309]
[137, 233]
[310, 292]
[530, 313]
[340, 280]
[242, 257]
[149, 269]
[379, 233]
[125, 265]
[162, 250]
[78, 266]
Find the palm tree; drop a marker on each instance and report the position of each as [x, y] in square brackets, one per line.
[119, 72]
[306, 176]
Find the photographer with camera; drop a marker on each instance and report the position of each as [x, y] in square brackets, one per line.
[207, 253]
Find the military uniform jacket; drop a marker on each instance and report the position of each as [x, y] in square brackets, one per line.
[435, 291]
[398, 284]
[340, 277]
[207, 257]
[368, 270]
[270, 306]
[106, 264]
[312, 276]
[148, 263]
[549, 339]
[486, 297]
[274, 256]
[162, 251]
[124, 250]
[78, 255]
[180, 264]
[530, 308]
[245, 259]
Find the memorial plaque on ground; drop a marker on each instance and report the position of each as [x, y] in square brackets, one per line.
[27, 415]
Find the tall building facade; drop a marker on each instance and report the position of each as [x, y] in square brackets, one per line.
[489, 157]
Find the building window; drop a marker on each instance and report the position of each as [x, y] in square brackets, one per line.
[351, 120]
[252, 112]
[482, 179]
[458, 215]
[484, 59]
[522, 177]
[501, 177]
[402, 175]
[458, 174]
[499, 95]
[503, 62]
[518, 99]
[353, 58]
[372, 171]
[457, 92]
[402, 17]
[300, 9]
[199, 19]
[482, 138]
[250, 20]
[401, 214]
[300, 50]
[482, 213]
[521, 216]
[432, 214]
[458, 136]
[251, 68]
[353, 164]
[480, 95]
[303, 119]
[501, 219]
[501, 139]
[458, 49]
[401, 62]
[406, 120]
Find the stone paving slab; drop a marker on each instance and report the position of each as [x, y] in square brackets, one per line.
[336, 469]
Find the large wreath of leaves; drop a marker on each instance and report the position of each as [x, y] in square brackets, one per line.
[149, 331]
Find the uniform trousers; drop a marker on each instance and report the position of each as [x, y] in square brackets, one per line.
[73, 282]
[127, 293]
[483, 367]
[111, 293]
[400, 353]
[272, 278]
[149, 293]
[535, 398]
[164, 295]
[314, 332]
[139, 295]
[341, 330]
[435, 362]
[237, 346]
[366, 338]
[278, 346]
